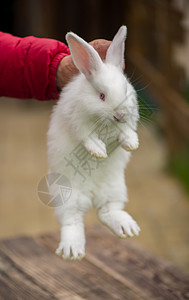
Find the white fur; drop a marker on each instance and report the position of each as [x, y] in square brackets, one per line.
[78, 125]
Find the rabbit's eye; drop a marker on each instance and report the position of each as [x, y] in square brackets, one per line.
[102, 96]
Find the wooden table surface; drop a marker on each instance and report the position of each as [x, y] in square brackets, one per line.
[112, 269]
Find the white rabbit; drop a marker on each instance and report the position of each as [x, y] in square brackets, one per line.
[92, 128]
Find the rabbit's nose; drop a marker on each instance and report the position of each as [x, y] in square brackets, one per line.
[118, 115]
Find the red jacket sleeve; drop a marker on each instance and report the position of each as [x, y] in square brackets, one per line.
[28, 66]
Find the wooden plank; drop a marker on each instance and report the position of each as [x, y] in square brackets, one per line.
[15, 284]
[50, 241]
[157, 278]
[34, 265]
[113, 269]
[125, 261]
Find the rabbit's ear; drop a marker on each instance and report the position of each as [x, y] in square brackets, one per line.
[84, 55]
[115, 53]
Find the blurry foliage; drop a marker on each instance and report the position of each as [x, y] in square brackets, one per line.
[179, 166]
[147, 105]
[187, 92]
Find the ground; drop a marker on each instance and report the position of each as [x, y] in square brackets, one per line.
[157, 200]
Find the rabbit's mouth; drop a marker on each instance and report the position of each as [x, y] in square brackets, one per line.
[116, 119]
[120, 121]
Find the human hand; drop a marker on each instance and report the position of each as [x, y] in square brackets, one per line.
[66, 68]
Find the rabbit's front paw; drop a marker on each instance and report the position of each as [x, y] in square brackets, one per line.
[120, 222]
[96, 148]
[72, 244]
[129, 142]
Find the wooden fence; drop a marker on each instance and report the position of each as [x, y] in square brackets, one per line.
[156, 28]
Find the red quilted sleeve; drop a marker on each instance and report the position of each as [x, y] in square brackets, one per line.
[28, 66]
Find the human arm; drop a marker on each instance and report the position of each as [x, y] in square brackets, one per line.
[38, 68]
[28, 66]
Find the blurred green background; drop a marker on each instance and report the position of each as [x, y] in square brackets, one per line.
[157, 63]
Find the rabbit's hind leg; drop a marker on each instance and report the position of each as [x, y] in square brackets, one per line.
[118, 220]
[72, 243]
[109, 203]
[72, 238]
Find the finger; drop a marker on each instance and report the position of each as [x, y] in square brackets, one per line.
[101, 46]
